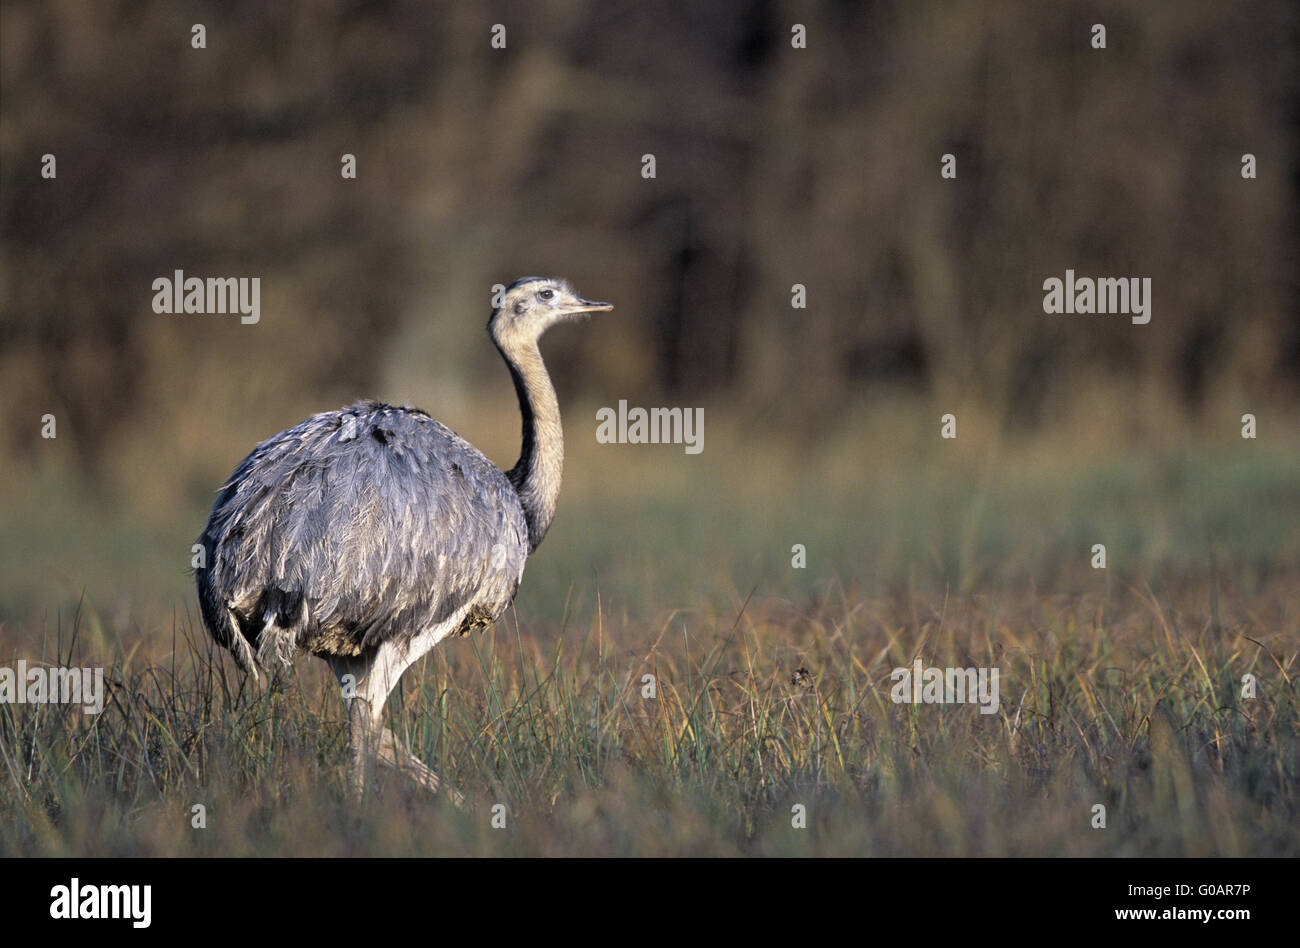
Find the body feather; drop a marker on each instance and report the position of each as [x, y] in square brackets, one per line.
[356, 527]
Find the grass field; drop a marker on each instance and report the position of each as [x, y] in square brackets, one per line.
[1120, 687]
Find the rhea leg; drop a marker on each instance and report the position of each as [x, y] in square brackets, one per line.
[362, 742]
[393, 754]
[364, 711]
[366, 687]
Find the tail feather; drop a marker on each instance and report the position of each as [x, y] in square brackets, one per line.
[238, 646]
[276, 643]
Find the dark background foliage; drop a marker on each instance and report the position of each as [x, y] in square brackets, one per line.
[775, 166]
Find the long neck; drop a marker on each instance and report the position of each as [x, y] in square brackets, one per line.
[536, 476]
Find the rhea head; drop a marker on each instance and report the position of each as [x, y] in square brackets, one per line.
[532, 305]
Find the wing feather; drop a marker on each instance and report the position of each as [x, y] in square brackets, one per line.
[359, 526]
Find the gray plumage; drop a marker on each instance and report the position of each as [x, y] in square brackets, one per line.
[356, 527]
[366, 535]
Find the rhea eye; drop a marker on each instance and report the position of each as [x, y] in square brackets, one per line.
[546, 294]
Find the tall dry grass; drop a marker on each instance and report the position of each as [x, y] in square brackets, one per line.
[1131, 700]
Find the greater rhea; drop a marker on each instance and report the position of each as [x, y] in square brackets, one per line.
[368, 535]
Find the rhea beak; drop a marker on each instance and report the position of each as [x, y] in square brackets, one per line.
[582, 309]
